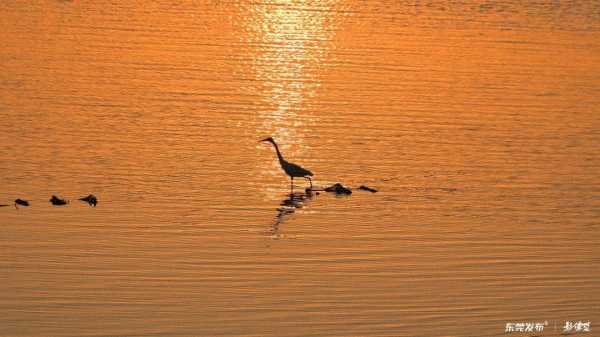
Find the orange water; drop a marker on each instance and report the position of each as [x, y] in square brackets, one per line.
[478, 123]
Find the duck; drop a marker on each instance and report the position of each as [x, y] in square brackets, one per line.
[90, 199]
[56, 201]
[21, 202]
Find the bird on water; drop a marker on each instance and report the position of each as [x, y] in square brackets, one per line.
[21, 202]
[90, 199]
[291, 169]
[56, 201]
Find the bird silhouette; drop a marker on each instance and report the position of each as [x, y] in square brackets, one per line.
[56, 201]
[90, 199]
[291, 169]
[21, 202]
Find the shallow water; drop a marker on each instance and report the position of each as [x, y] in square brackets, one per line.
[477, 123]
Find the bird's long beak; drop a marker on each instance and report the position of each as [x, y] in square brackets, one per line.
[263, 140]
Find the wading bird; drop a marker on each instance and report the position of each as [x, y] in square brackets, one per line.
[291, 169]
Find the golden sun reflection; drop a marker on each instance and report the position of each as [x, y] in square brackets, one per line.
[290, 43]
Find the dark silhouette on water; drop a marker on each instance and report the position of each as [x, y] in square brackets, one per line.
[90, 199]
[298, 200]
[291, 169]
[367, 188]
[56, 201]
[289, 206]
[338, 189]
[21, 202]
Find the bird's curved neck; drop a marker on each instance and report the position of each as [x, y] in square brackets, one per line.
[278, 153]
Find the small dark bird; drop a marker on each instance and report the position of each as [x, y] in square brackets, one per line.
[90, 199]
[56, 201]
[21, 202]
[291, 169]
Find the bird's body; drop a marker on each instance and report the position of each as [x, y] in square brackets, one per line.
[90, 199]
[291, 169]
[21, 202]
[56, 201]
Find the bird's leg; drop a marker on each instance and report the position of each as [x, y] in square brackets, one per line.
[292, 184]
[310, 181]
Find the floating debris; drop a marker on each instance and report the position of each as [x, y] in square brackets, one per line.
[309, 191]
[450, 190]
[56, 201]
[338, 189]
[367, 188]
[90, 199]
[21, 202]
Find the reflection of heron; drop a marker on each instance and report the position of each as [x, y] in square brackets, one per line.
[290, 169]
[288, 207]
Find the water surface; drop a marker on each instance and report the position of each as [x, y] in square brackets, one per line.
[477, 122]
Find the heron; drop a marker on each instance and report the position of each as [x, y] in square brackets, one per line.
[291, 169]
